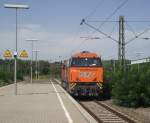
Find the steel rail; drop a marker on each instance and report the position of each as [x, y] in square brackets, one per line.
[91, 113]
[119, 114]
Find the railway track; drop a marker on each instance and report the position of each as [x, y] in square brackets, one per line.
[105, 114]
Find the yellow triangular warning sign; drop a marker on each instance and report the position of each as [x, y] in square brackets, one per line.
[24, 54]
[7, 54]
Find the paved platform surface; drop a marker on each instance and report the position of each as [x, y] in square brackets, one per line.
[39, 103]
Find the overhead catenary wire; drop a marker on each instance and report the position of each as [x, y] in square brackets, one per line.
[102, 21]
[127, 23]
[95, 9]
[98, 29]
[113, 21]
[131, 29]
[108, 36]
[113, 13]
[107, 20]
[110, 15]
[135, 37]
[138, 35]
[89, 15]
[145, 21]
[113, 29]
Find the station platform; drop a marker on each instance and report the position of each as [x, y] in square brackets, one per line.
[40, 103]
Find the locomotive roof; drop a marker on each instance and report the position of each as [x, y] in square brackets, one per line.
[85, 54]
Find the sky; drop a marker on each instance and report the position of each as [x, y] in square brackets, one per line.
[56, 25]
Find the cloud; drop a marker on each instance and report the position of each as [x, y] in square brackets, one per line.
[53, 45]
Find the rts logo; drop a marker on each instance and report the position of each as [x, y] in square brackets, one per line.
[87, 74]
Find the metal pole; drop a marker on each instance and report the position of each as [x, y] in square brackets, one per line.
[121, 54]
[50, 69]
[36, 65]
[123, 46]
[15, 78]
[119, 43]
[38, 68]
[15, 64]
[31, 65]
[114, 64]
[138, 67]
[16, 7]
[31, 60]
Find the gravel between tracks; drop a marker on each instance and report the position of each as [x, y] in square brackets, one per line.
[141, 114]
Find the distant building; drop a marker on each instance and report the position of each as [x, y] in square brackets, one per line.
[139, 61]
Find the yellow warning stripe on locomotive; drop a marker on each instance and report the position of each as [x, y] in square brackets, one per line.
[72, 85]
[100, 85]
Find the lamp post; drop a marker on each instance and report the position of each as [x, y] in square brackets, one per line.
[16, 7]
[31, 65]
[36, 59]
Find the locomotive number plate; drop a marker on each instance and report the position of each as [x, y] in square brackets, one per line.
[86, 74]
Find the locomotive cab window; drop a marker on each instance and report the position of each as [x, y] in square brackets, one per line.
[86, 62]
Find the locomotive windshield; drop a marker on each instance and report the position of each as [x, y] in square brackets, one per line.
[86, 62]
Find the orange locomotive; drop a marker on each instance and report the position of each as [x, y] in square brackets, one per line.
[82, 74]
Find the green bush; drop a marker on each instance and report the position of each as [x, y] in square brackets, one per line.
[132, 89]
[110, 79]
[5, 78]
